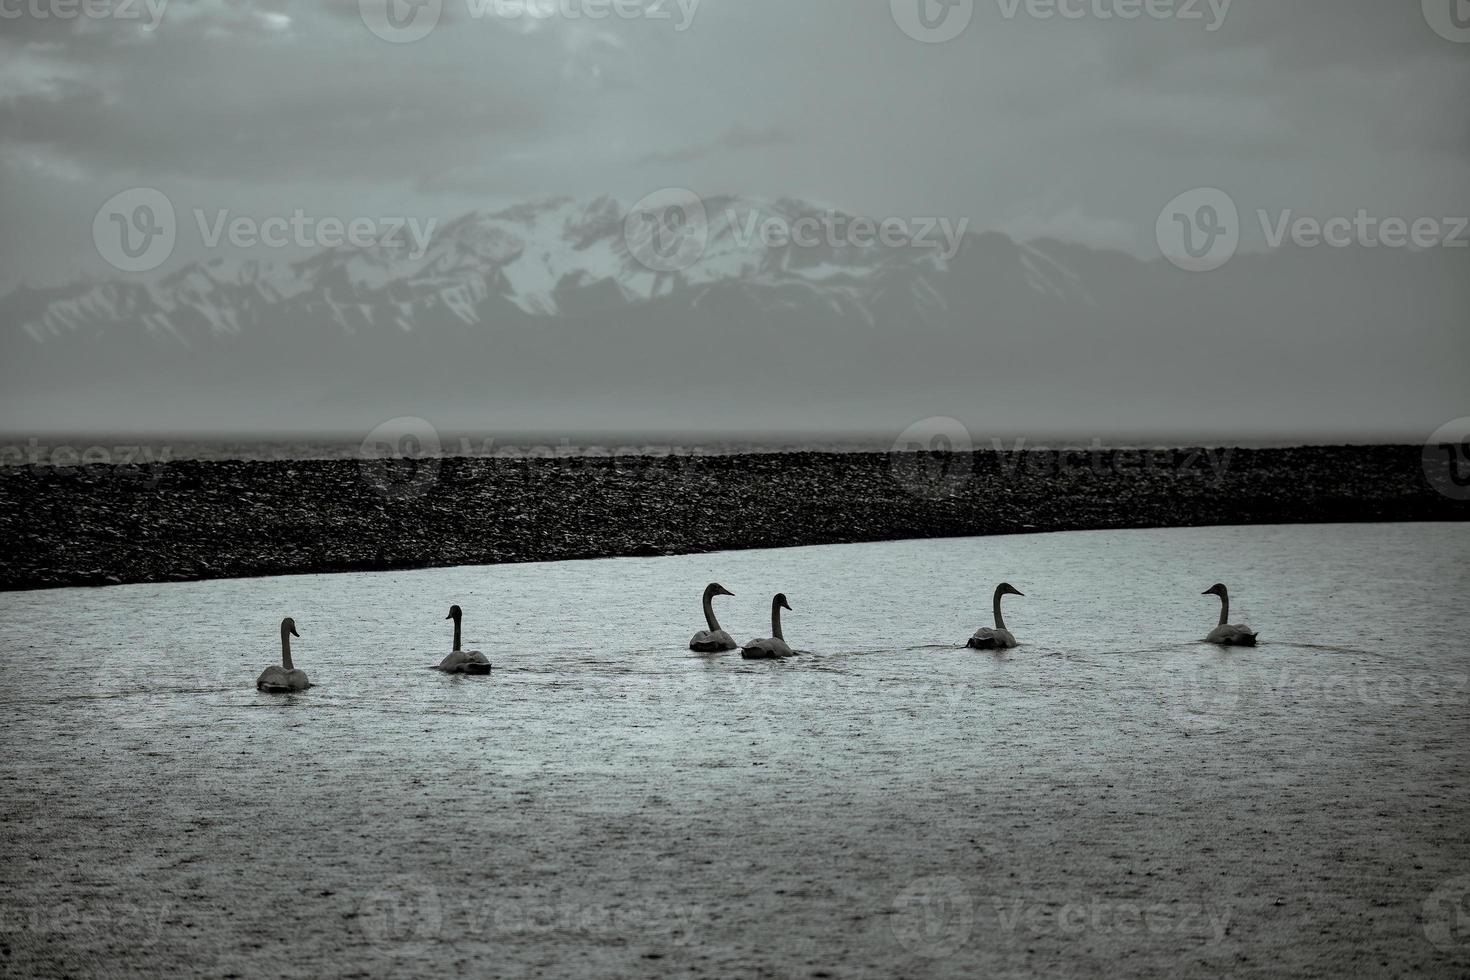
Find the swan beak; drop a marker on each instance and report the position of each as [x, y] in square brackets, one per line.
[1020, 593]
[294, 633]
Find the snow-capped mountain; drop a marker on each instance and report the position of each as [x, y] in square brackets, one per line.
[553, 316]
[551, 258]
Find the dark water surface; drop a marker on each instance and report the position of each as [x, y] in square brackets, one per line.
[1111, 794]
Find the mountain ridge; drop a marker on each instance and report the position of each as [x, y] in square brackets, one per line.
[540, 317]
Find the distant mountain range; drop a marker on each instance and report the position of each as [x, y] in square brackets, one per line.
[540, 317]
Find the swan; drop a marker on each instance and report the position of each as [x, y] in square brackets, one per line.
[1227, 634]
[278, 680]
[999, 638]
[460, 661]
[775, 648]
[714, 639]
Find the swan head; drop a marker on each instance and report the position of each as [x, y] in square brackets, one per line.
[715, 588]
[1218, 590]
[780, 600]
[288, 625]
[1006, 588]
[455, 613]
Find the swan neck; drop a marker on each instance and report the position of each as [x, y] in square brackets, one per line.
[1225, 609]
[456, 634]
[286, 649]
[776, 621]
[1000, 623]
[709, 612]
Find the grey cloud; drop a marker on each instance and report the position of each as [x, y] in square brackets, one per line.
[732, 140]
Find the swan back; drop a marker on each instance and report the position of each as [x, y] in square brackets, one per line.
[772, 649]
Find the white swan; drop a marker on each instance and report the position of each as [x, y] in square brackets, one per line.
[714, 639]
[999, 638]
[775, 648]
[278, 680]
[1227, 634]
[461, 661]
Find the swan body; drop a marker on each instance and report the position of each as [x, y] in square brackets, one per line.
[998, 638]
[1228, 634]
[714, 639]
[771, 649]
[285, 678]
[986, 638]
[774, 648]
[463, 661]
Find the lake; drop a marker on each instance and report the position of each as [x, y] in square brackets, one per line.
[889, 804]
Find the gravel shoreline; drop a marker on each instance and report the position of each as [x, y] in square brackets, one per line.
[190, 520]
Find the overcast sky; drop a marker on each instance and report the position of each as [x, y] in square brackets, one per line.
[1079, 127]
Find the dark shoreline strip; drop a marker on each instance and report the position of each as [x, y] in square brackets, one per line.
[189, 520]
